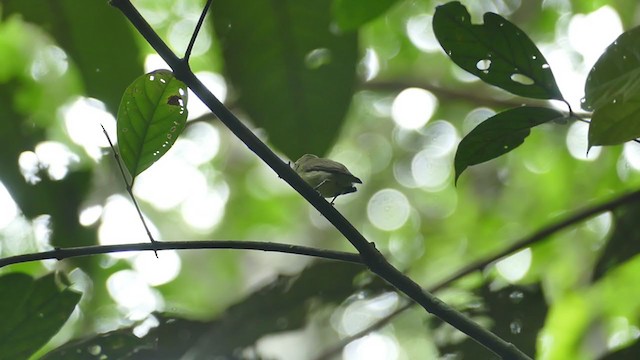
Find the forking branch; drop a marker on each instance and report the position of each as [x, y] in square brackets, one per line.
[370, 256]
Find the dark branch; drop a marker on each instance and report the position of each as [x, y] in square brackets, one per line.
[479, 265]
[65, 253]
[187, 53]
[374, 260]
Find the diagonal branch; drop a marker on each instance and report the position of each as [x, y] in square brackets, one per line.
[532, 239]
[65, 253]
[371, 257]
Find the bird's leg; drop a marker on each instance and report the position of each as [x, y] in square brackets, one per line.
[334, 199]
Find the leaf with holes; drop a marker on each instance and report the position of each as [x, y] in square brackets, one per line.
[152, 114]
[616, 75]
[32, 311]
[500, 134]
[497, 51]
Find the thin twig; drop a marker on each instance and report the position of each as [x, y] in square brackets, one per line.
[129, 188]
[194, 36]
[374, 260]
[65, 253]
[517, 246]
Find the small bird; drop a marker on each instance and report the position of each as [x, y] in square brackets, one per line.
[330, 178]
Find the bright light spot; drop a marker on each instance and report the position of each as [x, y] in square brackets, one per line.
[403, 175]
[180, 34]
[516, 266]
[169, 182]
[413, 107]
[577, 142]
[475, 117]
[569, 75]
[56, 158]
[420, 33]
[199, 144]
[49, 61]
[154, 62]
[591, 34]
[623, 332]
[362, 312]
[370, 65]
[83, 118]
[29, 167]
[42, 232]
[8, 207]
[204, 212]
[317, 58]
[218, 87]
[440, 137]
[141, 330]
[121, 225]
[600, 224]
[380, 150]
[131, 292]
[430, 172]
[371, 347]
[90, 215]
[388, 209]
[631, 154]
[160, 270]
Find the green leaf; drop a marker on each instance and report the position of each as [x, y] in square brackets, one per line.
[106, 52]
[507, 307]
[293, 75]
[152, 115]
[497, 52]
[32, 311]
[616, 74]
[624, 242]
[615, 123]
[500, 134]
[351, 14]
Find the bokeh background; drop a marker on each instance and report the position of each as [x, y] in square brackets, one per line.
[62, 76]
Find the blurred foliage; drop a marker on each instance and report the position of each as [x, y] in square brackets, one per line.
[34, 312]
[324, 77]
[230, 334]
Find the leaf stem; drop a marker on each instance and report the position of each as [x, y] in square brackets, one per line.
[129, 188]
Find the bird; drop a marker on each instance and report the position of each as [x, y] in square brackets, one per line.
[330, 178]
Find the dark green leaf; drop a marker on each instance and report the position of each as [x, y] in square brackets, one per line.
[294, 77]
[151, 116]
[497, 51]
[517, 314]
[106, 51]
[615, 123]
[32, 311]
[282, 305]
[616, 74]
[500, 134]
[624, 242]
[351, 14]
